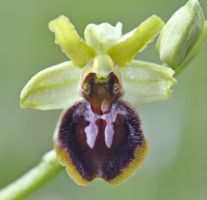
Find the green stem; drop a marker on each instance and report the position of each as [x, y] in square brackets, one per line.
[36, 177]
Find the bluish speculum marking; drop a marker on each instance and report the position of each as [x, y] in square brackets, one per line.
[92, 129]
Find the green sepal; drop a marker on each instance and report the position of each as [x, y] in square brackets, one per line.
[146, 83]
[55, 87]
[124, 51]
[70, 42]
[102, 36]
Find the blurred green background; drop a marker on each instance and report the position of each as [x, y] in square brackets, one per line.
[177, 129]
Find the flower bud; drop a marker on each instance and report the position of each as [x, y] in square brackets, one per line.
[181, 33]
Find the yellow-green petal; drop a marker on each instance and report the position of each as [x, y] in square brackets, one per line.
[55, 87]
[124, 51]
[70, 42]
[146, 82]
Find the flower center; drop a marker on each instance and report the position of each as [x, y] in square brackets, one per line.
[101, 94]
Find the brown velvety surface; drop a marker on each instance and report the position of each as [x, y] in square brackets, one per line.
[100, 161]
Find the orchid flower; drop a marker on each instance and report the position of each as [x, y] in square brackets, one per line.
[100, 90]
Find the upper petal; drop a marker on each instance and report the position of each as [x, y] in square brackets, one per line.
[70, 42]
[55, 87]
[124, 51]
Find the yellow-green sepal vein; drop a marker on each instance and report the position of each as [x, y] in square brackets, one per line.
[55, 87]
[146, 82]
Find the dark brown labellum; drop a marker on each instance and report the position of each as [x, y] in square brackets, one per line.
[93, 143]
